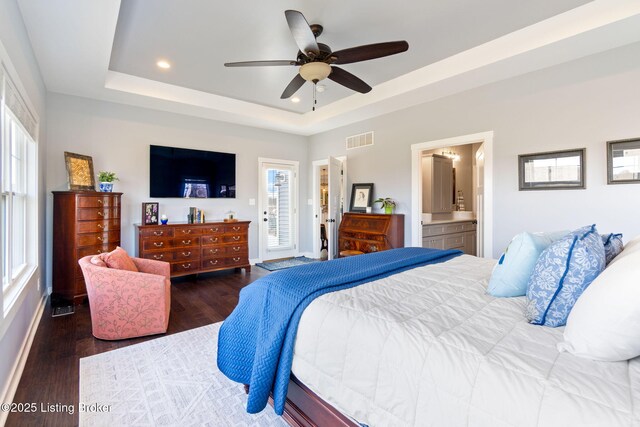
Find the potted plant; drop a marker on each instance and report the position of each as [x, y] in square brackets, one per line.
[106, 180]
[387, 203]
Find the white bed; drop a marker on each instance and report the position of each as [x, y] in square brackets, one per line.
[428, 347]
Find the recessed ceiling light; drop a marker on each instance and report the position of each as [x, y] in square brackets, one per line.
[295, 99]
[163, 64]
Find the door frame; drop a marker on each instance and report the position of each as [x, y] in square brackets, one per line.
[295, 204]
[315, 171]
[416, 184]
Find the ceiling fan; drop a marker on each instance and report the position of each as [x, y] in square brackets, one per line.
[316, 60]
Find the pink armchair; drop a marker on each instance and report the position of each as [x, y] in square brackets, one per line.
[126, 304]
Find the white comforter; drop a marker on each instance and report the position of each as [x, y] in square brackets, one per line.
[429, 347]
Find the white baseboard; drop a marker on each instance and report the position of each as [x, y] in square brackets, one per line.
[307, 254]
[18, 367]
[254, 261]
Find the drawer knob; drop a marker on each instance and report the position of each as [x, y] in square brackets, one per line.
[213, 251]
[100, 226]
[158, 244]
[187, 231]
[186, 253]
[158, 256]
[236, 248]
[99, 201]
[213, 230]
[213, 262]
[236, 259]
[236, 237]
[99, 251]
[186, 265]
[158, 233]
[213, 239]
[99, 238]
[100, 213]
[236, 228]
[186, 242]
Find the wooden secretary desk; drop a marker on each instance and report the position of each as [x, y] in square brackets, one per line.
[370, 232]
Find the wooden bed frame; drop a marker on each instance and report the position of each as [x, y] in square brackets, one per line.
[304, 408]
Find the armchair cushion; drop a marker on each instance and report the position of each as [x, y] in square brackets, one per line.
[119, 259]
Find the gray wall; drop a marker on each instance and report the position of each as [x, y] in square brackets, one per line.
[15, 323]
[118, 138]
[579, 104]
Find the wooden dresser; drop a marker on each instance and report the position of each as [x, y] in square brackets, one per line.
[84, 223]
[196, 248]
[370, 232]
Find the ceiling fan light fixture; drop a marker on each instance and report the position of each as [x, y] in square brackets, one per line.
[315, 71]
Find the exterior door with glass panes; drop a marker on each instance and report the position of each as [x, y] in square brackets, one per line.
[278, 209]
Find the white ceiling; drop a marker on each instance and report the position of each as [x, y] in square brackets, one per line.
[108, 49]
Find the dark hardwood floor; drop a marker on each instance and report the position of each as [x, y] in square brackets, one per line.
[51, 374]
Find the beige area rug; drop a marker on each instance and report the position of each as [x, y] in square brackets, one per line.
[168, 381]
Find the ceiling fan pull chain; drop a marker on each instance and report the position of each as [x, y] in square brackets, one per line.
[315, 101]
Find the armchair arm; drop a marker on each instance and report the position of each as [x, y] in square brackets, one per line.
[151, 266]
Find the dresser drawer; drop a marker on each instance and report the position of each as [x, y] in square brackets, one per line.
[159, 256]
[186, 231]
[433, 242]
[97, 201]
[96, 250]
[186, 254]
[236, 260]
[157, 232]
[98, 226]
[185, 266]
[213, 229]
[212, 240]
[235, 238]
[213, 252]
[455, 241]
[439, 229]
[214, 263]
[235, 228]
[241, 249]
[156, 244]
[97, 213]
[186, 241]
[92, 239]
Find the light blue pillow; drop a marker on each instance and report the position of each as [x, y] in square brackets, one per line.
[613, 245]
[511, 275]
[562, 273]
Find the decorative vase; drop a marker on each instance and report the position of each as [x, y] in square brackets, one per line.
[388, 210]
[106, 187]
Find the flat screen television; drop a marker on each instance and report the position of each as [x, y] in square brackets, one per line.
[181, 172]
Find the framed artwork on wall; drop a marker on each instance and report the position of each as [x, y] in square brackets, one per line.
[361, 197]
[623, 161]
[80, 171]
[150, 213]
[554, 170]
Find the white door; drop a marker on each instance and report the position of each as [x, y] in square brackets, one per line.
[479, 190]
[335, 205]
[278, 209]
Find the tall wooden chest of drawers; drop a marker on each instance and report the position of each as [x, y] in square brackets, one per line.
[84, 223]
[370, 232]
[196, 248]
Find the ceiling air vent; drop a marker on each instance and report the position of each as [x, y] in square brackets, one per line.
[358, 141]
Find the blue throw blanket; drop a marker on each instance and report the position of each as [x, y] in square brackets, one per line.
[255, 344]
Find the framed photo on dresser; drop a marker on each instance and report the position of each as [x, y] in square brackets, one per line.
[361, 197]
[150, 213]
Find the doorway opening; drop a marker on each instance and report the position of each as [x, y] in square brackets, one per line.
[278, 204]
[452, 196]
[329, 193]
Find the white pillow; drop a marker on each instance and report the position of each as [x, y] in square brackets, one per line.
[605, 322]
[631, 247]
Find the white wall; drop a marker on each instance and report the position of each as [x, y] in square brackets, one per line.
[118, 138]
[579, 104]
[16, 322]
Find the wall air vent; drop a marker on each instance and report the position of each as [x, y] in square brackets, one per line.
[361, 140]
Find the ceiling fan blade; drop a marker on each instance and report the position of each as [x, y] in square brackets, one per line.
[369, 51]
[347, 79]
[302, 34]
[293, 87]
[259, 63]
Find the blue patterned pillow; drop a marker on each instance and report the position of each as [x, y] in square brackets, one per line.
[612, 246]
[562, 273]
